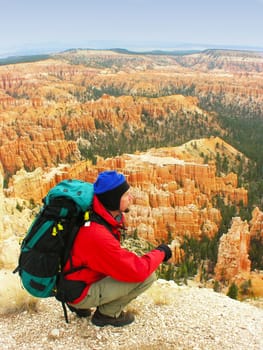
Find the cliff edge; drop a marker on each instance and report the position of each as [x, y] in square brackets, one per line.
[168, 316]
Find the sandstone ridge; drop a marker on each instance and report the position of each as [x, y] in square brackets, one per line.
[172, 198]
[47, 106]
[171, 194]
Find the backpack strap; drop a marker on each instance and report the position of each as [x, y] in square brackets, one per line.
[94, 217]
[65, 311]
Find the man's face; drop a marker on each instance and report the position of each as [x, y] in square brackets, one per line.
[126, 200]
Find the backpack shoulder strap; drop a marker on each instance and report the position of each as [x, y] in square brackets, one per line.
[101, 221]
[94, 217]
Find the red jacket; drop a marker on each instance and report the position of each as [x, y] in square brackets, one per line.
[100, 252]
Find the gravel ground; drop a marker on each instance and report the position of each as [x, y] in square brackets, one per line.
[168, 316]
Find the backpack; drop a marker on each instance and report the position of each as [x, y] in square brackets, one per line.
[47, 244]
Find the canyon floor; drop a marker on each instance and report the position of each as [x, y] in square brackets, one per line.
[168, 316]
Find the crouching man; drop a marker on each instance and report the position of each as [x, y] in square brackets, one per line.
[112, 275]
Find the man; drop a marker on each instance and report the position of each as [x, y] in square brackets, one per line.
[113, 276]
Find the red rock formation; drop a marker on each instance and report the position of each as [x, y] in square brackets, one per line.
[7, 101]
[170, 198]
[233, 264]
[256, 224]
[233, 251]
[25, 153]
[41, 102]
[40, 97]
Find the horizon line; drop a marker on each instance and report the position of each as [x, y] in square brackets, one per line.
[34, 49]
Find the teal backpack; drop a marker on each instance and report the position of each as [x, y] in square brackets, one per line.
[48, 242]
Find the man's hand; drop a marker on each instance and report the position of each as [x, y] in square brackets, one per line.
[167, 251]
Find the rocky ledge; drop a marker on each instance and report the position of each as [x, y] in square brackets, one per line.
[168, 316]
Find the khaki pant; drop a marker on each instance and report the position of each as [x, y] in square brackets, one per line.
[112, 296]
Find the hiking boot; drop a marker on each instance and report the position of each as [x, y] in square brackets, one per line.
[80, 312]
[101, 320]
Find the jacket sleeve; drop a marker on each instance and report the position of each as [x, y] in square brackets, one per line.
[105, 255]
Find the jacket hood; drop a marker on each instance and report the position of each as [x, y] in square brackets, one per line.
[99, 209]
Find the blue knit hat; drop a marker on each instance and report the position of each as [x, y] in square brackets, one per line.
[109, 187]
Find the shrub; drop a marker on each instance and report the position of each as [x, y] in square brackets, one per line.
[233, 291]
[217, 287]
[245, 289]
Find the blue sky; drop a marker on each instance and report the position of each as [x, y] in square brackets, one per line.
[29, 24]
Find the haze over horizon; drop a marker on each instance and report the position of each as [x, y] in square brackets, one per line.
[30, 26]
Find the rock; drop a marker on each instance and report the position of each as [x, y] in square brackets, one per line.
[233, 251]
[171, 196]
[54, 334]
[256, 224]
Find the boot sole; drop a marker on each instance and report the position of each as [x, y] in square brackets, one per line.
[100, 323]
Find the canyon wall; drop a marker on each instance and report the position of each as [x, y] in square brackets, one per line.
[47, 106]
[48, 134]
[171, 196]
